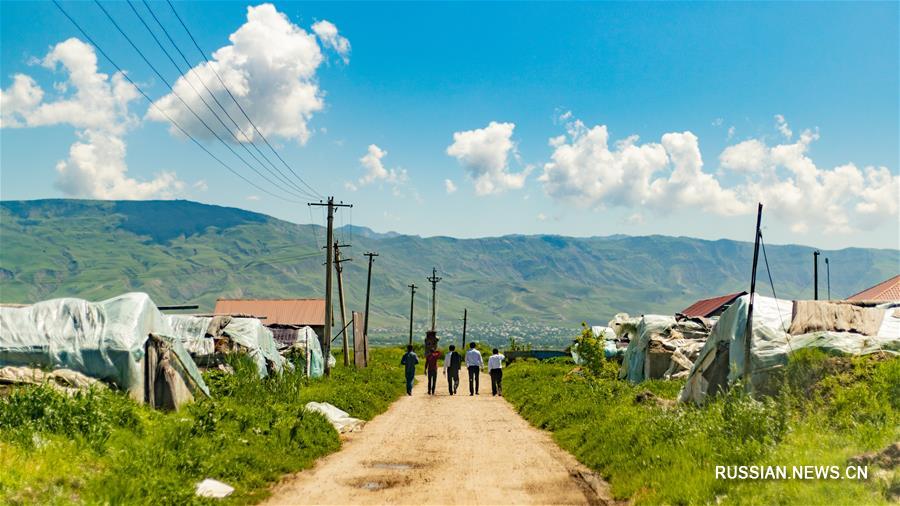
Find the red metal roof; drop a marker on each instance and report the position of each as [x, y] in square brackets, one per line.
[277, 311]
[886, 291]
[705, 307]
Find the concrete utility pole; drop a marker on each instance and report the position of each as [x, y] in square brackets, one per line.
[412, 301]
[434, 279]
[340, 278]
[748, 333]
[816, 274]
[371, 255]
[329, 260]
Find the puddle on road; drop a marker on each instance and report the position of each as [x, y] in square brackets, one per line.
[394, 466]
[376, 483]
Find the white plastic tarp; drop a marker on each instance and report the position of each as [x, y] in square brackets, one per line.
[103, 340]
[771, 344]
[341, 420]
[635, 356]
[307, 344]
[247, 332]
[191, 330]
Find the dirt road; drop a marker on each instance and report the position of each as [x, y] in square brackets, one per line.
[445, 450]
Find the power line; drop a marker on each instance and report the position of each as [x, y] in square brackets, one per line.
[762, 243]
[190, 69]
[189, 108]
[161, 111]
[222, 82]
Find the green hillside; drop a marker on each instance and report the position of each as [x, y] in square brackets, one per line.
[532, 286]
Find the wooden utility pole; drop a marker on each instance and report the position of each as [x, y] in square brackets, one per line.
[434, 279]
[371, 255]
[816, 274]
[340, 279]
[329, 260]
[465, 317]
[828, 277]
[412, 301]
[748, 333]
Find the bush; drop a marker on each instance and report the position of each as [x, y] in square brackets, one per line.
[248, 434]
[590, 350]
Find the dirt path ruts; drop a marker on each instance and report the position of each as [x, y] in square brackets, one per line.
[445, 450]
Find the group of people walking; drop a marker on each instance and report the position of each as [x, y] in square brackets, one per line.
[452, 364]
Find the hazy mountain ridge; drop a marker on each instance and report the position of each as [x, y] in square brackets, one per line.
[186, 252]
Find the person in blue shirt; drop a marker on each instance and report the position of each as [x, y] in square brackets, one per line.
[409, 360]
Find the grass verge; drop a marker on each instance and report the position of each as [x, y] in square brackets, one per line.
[655, 452]
[100, 447]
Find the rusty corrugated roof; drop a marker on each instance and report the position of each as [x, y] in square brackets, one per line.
[705, 307]
[277, 311]
[886, 291]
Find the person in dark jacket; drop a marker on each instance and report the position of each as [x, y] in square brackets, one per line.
[452, 363]
[431, 370]
[409, 361]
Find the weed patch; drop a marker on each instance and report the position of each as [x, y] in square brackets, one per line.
[100, 447]
[655, 452]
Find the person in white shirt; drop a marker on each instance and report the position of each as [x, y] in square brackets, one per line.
[495, 369]
[474, 363]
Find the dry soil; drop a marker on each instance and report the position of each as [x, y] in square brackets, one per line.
[445, 450]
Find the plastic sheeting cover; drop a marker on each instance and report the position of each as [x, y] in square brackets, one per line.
[247, 332]
[316, 365]
[104, 340]
[635, 355]
[771, 345]
[341, 420]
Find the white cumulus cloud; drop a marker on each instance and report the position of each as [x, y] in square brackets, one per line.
[270, 67]
[375, 169]
[793, 188]
[669, 175]
[585, 170]
[450, 186]
[328, 34]
[98, 109]
[485, 153]
[783, 127]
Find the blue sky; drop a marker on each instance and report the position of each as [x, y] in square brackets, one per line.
[725, 81]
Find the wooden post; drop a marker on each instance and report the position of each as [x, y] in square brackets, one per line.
[329, 264]
[340, 280]
[816, 275]
[371, 256]
[434, 279]
[412, 301]
[748, 333]
[465, 317]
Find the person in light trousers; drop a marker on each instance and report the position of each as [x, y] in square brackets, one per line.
[474, 363]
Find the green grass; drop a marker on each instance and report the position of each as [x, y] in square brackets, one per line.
[100, 447]
[828, 411]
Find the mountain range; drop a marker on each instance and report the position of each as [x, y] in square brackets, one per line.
[183, 252]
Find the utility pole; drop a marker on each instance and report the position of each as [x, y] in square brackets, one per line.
[828, 277]
[434, 279]
[465, 317]
[412, 301]
[816, 274]
[329, 259]
[748, 334]
[340, 279]
[371, 255]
